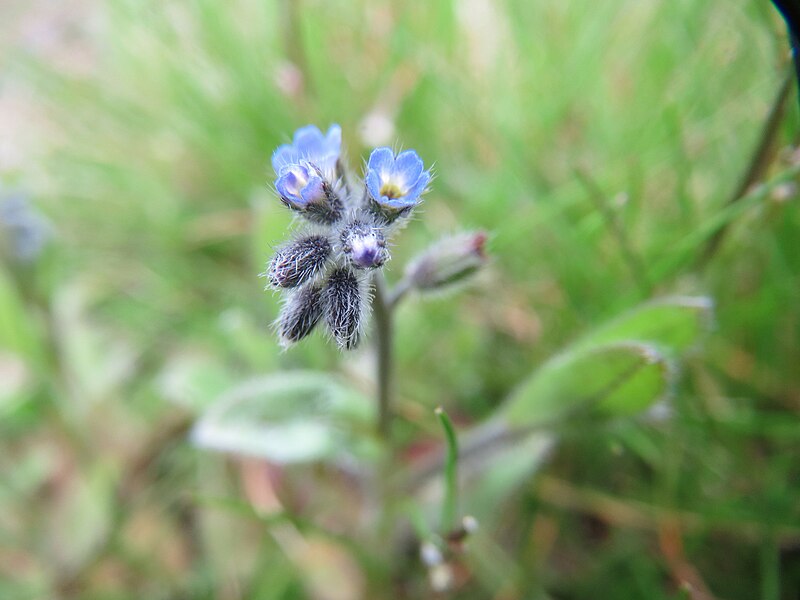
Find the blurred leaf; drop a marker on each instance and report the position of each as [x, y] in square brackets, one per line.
[612, 379]
[16, 378]
[617, 379]
[328, 571]
[500, 469]
[292, 417]
[193, 380]
[97, 360]
[676, 322]
[82, 520]
[17, 330]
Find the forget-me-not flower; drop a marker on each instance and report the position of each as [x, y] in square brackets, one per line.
[24, 232]
[310, 146]
[300, 185]
[324, 273]
[395, 183]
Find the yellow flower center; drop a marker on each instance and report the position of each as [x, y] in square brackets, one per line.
[391, 190]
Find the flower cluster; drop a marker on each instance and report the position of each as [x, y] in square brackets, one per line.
[325, 270]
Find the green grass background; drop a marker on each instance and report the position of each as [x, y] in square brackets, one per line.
[151, 159]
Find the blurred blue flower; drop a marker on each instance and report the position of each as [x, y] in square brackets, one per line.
[309, 145]
[300, 185]
[25, 230]
[396, 183]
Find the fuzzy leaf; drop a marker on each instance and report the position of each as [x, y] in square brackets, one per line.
[290, 417]
[614, 379]
[676, 323]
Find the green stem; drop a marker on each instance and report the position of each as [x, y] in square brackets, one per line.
[382, 310]
[450, 503]
[398, 293]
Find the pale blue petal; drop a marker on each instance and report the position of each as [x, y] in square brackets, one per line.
[408, 166]
[287, 185]
[397, 203]
[373, 184]
[308, 140]
[419, 187]
[285, 156]
[381, 161]
[313, 191]
[333, 139]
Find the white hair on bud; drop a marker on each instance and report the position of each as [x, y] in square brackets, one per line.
[299, 261]
[301, 312]
[345, 301]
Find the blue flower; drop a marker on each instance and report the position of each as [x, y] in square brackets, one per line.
[300, 185]
[309, 145]
[24, 232]
[396, 183]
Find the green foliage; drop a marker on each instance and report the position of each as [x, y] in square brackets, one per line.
[144, 130]
[615, 378]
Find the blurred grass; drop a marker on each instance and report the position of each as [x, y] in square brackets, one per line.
[152, 162]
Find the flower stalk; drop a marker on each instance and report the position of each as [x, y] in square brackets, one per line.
[331, 274]
[383, 330]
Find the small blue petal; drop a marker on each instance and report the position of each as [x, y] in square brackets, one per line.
[398, 203]
[310, 145]
[308, 140]
[284, 157]
[381, 161]
[419, 187]
[408, 167]
[333, 139]
[373, 184]
[292, 180]
[313, 191]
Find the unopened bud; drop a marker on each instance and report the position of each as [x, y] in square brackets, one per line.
[364, 246]
[449, 261]
[298, 262]
[343, 306]
[304, 188]
[300, 314]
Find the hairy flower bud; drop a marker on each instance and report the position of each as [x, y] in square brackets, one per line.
[299, 261]
[343, 307]
[449, 261]
[364, 246]
[303, 187]
[302, 311]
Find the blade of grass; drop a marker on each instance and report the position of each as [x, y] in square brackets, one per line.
[450, 502]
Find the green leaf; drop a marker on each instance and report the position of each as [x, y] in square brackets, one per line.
[614, 379]
[289, 417]
[499, 470]
[18, 331]
[83, 518]
[676, 323]
[193, 380]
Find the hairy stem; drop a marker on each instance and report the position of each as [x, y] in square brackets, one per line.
[382, 310]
